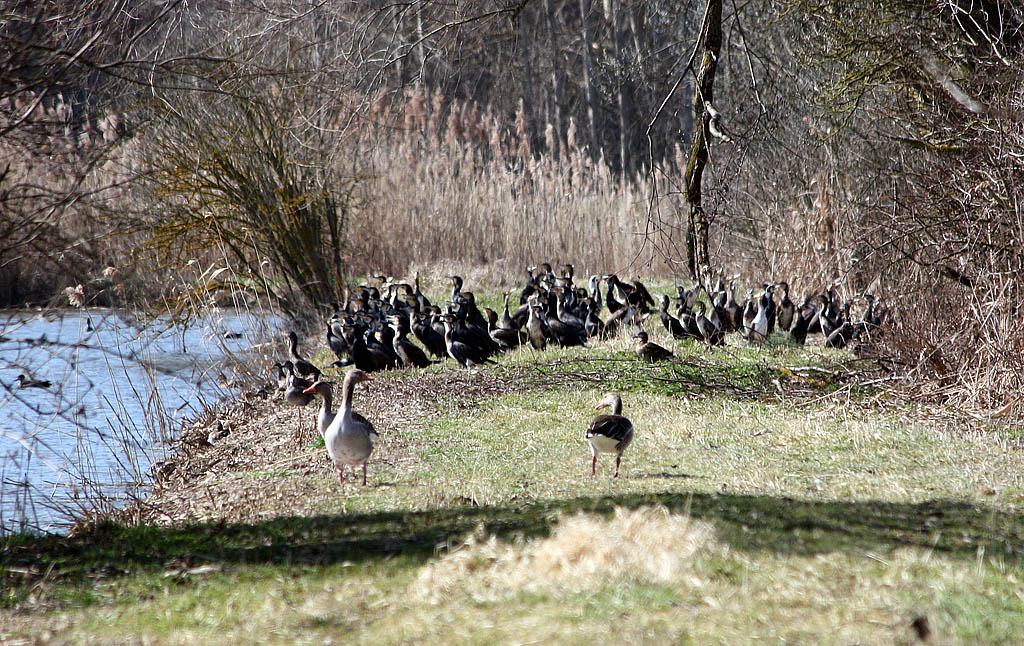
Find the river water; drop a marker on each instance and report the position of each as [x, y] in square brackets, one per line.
[120, 389]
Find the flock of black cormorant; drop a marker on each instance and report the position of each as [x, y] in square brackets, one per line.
[374, 329]
[371, 330]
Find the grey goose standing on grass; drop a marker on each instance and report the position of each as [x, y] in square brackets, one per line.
[609, 433]
[349, 437]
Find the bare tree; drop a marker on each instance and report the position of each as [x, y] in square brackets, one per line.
[698, 226]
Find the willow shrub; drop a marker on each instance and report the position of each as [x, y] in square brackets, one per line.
[242, 180]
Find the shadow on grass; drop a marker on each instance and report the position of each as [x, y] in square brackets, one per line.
[749, 523]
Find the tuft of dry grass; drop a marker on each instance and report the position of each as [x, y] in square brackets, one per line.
[584, 551]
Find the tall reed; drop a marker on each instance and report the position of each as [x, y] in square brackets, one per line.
[452, 181]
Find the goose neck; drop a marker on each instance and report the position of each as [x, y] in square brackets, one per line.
[328, 401]
[347, 389]
[616, 405]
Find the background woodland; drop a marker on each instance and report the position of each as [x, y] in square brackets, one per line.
[159, 153]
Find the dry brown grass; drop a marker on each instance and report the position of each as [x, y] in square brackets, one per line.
[584, 551]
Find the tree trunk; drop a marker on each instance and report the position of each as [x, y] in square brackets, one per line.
[525, 47]
[557, 70]
[400, 62]
[625, 124]
[697, 225]
[588, 79]
[421, 51]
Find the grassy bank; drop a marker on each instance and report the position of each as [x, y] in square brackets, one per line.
[774, 494]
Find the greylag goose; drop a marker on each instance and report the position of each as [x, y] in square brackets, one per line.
[26, 382]
[349, 436]
[326, 414]
[302, 367]
[609, 433]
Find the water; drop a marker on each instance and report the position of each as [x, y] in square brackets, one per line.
[120, 389]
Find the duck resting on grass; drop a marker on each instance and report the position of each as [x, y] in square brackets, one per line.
[349, 437]
[650, 351]
[609, 433]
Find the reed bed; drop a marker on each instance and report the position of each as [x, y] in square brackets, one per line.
[453, 182]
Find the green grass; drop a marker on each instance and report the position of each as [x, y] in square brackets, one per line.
[800, 509]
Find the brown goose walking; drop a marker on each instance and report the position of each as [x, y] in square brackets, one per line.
[609, 433]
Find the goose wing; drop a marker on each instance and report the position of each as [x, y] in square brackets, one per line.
[365, 423]
[614, 427]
